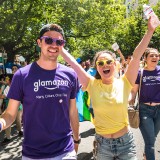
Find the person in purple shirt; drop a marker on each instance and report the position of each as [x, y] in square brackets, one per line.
[149, 100]
[47, 91]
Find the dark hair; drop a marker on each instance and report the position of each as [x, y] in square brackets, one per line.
[128, 56]
[97, 75]
[148, 51]
[51, 27]
[9, 76]
[15, 65]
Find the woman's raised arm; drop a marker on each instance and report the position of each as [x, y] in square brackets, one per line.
[133, 67]
[83, 76]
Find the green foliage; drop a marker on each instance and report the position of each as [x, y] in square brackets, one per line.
[89, 25]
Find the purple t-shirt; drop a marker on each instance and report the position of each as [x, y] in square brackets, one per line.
[150, 86]
[45, 95]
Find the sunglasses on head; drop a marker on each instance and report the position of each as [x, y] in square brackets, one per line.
[49, 40]
[103, 62]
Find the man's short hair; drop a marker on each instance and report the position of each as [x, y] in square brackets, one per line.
[51, 27]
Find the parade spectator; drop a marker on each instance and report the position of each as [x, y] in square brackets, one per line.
[47, 90]
[82, 63]
[118, 66]
[124, 61]
[128, 59]
[14, 68]
[2, 86]
[110, 99]
[8, 67]
[3, 96]
[17, 61]
[20, 109]
[149, 101]
[23, 64]
[87, 65]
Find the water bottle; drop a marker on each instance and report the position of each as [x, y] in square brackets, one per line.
[148, 11]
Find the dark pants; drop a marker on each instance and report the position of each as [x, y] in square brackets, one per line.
[150, 127]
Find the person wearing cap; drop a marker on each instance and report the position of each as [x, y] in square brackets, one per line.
[47, 90]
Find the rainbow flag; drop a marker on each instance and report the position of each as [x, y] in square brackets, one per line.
[84, 108]
[84, 104]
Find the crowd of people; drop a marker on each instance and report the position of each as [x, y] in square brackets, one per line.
[47, 90]
[5, 82]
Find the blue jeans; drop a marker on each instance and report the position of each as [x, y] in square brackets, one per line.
[122, 148]
[149, 127]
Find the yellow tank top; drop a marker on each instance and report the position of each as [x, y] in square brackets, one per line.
[110, 103]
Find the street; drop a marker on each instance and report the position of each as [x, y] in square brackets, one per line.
[12, 151]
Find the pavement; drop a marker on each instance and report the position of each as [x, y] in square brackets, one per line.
[12, 151]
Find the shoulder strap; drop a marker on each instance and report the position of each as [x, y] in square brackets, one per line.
[139, 90]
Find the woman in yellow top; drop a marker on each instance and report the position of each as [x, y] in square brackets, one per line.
[110, 99]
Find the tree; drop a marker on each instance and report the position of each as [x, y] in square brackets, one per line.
[89, 26]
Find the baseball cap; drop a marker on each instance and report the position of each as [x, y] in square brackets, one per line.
[51, 27]
[79, 60]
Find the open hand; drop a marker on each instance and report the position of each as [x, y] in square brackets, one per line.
[153, 22]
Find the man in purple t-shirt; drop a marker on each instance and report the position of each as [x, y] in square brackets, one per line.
[47, 91]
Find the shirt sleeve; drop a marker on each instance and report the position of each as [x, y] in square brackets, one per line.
[16, 88]
[75, 87]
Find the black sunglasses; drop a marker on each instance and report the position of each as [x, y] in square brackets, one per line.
[49, 40]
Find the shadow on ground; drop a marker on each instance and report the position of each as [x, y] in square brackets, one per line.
[90, 132]
[85, 156]
[12, 150]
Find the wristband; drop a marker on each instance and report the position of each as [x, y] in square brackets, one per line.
[78, 141]
[0, 126]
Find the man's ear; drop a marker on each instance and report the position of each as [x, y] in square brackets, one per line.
[63, 45]
[39, 42]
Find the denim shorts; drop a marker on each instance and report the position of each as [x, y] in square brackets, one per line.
[66, 156]
[122, 148]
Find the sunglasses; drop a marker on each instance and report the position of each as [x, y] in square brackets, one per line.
[103, 62]
[49, 40]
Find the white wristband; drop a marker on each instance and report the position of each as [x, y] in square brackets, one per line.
[1, 126]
